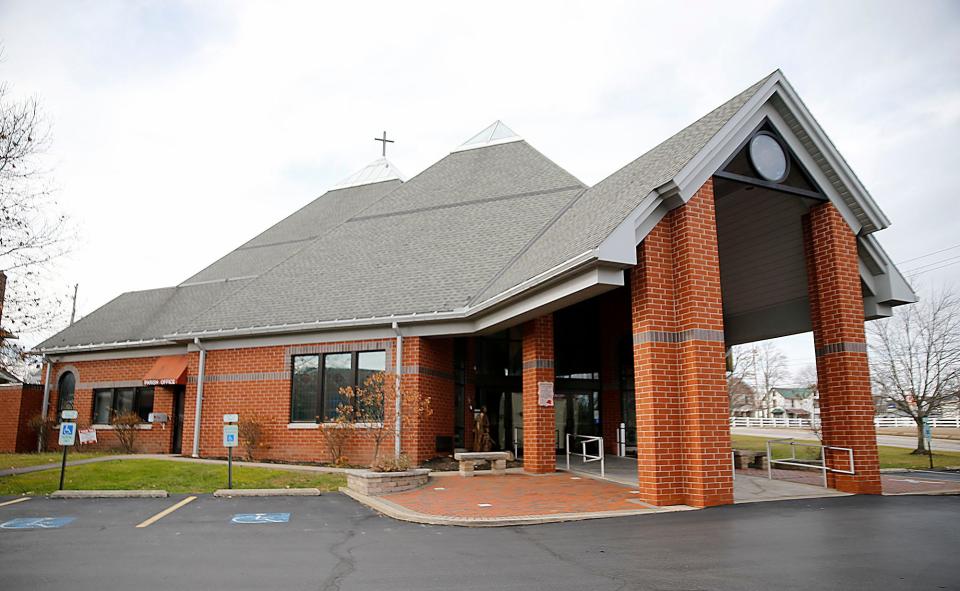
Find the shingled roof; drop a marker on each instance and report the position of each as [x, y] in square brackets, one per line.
[493, 220]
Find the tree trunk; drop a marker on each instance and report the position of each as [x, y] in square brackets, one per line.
[921, 443]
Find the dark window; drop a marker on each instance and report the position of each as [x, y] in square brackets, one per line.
[65, 390]
[111, 402]
[317, 379]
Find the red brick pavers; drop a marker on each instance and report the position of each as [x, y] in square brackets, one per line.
[516, 495]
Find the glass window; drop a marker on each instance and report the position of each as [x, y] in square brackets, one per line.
[102, 406]
[369, 363]
[306, 381]
[337, 373]
[65, 390]
[144, 403]
[124, 401]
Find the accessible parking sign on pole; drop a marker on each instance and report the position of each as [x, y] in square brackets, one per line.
[231, 437]
[68, 438]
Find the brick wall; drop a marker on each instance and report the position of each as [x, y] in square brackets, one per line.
[683, 436]
[18, 404]
[427, 374]
[843, 374]
[539, 446]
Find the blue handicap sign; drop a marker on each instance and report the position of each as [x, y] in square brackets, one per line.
[67, 428]
[36, 522]
[261, 518]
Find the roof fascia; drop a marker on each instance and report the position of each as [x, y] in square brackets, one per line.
[99, 355]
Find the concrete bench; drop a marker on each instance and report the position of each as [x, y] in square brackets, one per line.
[745, 458]
[497, 459]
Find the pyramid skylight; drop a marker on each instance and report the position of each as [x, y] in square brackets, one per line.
[496, 133]
[378, 171]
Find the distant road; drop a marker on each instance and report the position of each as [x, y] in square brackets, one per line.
[890, 440]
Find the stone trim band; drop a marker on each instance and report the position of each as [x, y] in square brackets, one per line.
[663, 336]
[425, 371]
[841, 348]
[538, 364]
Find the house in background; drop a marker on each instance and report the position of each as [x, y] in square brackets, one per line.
[495, 280]
[794, 403]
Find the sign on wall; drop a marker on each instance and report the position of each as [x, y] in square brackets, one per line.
[545, 394]
[88, 436]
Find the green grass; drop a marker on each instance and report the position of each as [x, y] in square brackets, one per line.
[47, 457]
[175, 477]
[890, 457]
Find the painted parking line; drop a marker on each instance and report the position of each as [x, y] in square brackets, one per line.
[36, 523]
[166, 512]
[261, 518]
[19, 500]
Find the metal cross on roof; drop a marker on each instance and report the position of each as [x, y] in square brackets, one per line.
[385, 142]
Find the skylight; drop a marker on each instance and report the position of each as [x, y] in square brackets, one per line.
[496, 133]
[377, 171]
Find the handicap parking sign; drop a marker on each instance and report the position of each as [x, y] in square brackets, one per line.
[68, 433]
[231, 435]
[36, 523]
[261, 518]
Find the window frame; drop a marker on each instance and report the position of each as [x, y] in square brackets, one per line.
[321, 379]
[137, 391]
[73, 394]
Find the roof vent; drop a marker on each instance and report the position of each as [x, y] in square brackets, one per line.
[378, 171]
[496, 133]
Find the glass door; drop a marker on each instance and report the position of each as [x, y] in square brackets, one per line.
[577, 413]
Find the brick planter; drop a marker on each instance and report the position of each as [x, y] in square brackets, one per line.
[378, 483]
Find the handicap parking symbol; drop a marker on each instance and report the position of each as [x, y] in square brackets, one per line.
[261, 518]
[36, 523]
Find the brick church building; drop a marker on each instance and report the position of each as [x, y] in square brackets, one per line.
[495, 279]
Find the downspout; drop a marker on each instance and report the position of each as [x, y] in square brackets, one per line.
[199, 403]
[46, 402]
[398, 423]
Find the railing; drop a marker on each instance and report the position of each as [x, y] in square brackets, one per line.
[816, 463]
[879, 422]
[584, 441]
[518, 440]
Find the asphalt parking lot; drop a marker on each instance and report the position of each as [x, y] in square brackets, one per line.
[331, 542]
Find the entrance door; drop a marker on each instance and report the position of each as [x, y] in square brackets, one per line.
[177, 434]
[503, 413]
[577, 413]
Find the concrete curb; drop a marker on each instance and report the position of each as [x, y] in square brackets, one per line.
[395, 511]
[109, 494]
[267, 492]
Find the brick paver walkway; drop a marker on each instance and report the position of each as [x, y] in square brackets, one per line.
[517, 495]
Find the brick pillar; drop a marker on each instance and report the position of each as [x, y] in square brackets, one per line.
[843, 375]
[683, 433]
[539, 438]
[427, 373]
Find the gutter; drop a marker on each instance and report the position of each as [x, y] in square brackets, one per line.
[398, 423]
[199, 402]
[46, 402]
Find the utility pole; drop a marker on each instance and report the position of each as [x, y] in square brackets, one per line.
[73, 308]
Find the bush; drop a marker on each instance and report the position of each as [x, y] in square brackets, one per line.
[397, 464]
[253, 434]
[41, 426]
[126, 427]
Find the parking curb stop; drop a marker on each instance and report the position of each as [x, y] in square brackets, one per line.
[267, 492]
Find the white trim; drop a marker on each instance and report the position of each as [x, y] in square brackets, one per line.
[176, 349]
[506, 140]
[312, 426]
[303, 426]
[140, 427]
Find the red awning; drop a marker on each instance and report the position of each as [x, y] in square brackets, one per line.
[167, 371]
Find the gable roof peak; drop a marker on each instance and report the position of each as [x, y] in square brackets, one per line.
[492, 135]
[378, 171]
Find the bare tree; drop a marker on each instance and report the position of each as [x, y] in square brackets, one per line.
[32, 232]
[741, 394]
[915, 357]
[765, 367]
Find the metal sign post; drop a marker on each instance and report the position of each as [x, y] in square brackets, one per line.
[928, 435]
[231, 437]
[68, 436]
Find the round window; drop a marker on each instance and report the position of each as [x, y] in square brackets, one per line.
[768, 157]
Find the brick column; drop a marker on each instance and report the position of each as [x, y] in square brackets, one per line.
[539, 445]
[427, 373]
[843, 374]
[683, 433]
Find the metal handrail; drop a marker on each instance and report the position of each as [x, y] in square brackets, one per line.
[793, 460]
[587, 439]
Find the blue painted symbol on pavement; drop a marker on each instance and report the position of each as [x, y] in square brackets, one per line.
[261, 518]
[36, 522]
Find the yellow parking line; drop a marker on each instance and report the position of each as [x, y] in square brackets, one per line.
[166, 512]
[19, 500]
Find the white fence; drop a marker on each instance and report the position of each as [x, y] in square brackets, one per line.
[879, 422]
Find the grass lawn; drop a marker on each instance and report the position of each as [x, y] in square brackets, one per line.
[175, 477]
[47, 457]
[890, 457]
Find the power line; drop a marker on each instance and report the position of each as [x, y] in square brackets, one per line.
[923, 256]
[941, 261]
[934, 269]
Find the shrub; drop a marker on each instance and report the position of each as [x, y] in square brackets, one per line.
[397, 464]
[41, 425]
[253, 434]
[126, 427]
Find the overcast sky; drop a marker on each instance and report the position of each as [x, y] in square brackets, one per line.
[182, 129]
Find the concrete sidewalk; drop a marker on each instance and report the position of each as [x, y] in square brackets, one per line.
[807, 435]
